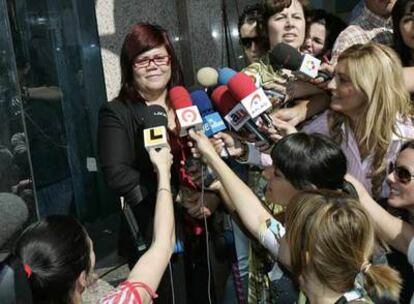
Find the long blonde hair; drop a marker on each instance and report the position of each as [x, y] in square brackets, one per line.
[375, 70]
[331, 236]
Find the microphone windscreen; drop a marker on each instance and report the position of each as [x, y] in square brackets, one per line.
[202, 101]
[241, 86]
[285, 56]
[179, 98]
[155, 116]
[207, 77]
[223, 100]
[13, 216]
[224, 75]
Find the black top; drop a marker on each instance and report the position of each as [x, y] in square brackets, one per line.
[124, 161]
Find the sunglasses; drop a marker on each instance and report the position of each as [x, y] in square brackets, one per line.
[158, 61]
[401, 173]
[247, 42]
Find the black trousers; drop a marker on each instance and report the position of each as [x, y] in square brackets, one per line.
[128, 248]
[190, 270]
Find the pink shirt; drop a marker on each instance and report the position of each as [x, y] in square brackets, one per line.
[360, 168]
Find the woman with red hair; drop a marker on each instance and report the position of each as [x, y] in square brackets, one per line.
[149, 68]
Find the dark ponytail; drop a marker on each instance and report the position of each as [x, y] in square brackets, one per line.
[56, 250]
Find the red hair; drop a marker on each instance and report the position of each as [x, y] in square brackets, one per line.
[143, 37]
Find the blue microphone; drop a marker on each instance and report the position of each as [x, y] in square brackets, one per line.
[212, 121]
[212, 124]
[224, 75]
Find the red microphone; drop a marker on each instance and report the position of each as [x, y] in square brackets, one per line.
[188, 115]
[233, 112]
[254, 100]
[223, 100]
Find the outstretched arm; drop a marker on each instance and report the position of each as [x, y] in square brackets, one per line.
[151, 266]
[248, 206]
[395, 231]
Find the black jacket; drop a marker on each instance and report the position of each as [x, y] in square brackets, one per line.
[124, 161]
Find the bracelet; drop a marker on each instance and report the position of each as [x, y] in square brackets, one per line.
[163, 189]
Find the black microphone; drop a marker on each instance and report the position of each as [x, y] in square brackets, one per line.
[14, 214]
[285, 56]
[155, 127]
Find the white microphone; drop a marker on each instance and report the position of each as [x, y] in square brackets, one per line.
[253, 100]
[188, 116]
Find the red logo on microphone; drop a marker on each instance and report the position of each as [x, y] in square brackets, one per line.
[189, 115]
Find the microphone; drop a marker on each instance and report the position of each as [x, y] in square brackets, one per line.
[287, 57]
[14, 214]
[234, 113]
[212, 121]
[155, 127]
[207, 77]
[224, 75]
[212, 124]
[254, 100]
[187, 114]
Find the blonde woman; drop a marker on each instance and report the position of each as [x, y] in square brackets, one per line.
[370, 113]
[328, 240]
[331, 242]
[397, 232]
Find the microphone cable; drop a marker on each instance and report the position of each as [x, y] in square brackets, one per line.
[207, 235]
[171, 281]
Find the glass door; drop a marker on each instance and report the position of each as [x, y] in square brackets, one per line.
[60, 75]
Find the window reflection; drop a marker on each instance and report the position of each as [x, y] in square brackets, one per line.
[57, 107]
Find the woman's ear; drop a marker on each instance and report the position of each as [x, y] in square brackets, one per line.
[82, 281]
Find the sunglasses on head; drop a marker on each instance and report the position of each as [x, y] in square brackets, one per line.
[401, 173]
[248, 41]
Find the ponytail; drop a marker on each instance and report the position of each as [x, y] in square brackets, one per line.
[382, 280]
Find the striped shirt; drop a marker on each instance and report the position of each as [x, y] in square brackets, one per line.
[360, 168]
[365, 28]
[127, 293]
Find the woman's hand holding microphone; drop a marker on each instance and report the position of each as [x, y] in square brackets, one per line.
[162, 160]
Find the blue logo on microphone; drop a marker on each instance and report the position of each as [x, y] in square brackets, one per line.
[213, 124]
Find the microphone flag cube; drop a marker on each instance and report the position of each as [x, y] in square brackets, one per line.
[310, 66]
[155, 137]
[189, 117]
[237, 117]
[213, 124]
[256, 103]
